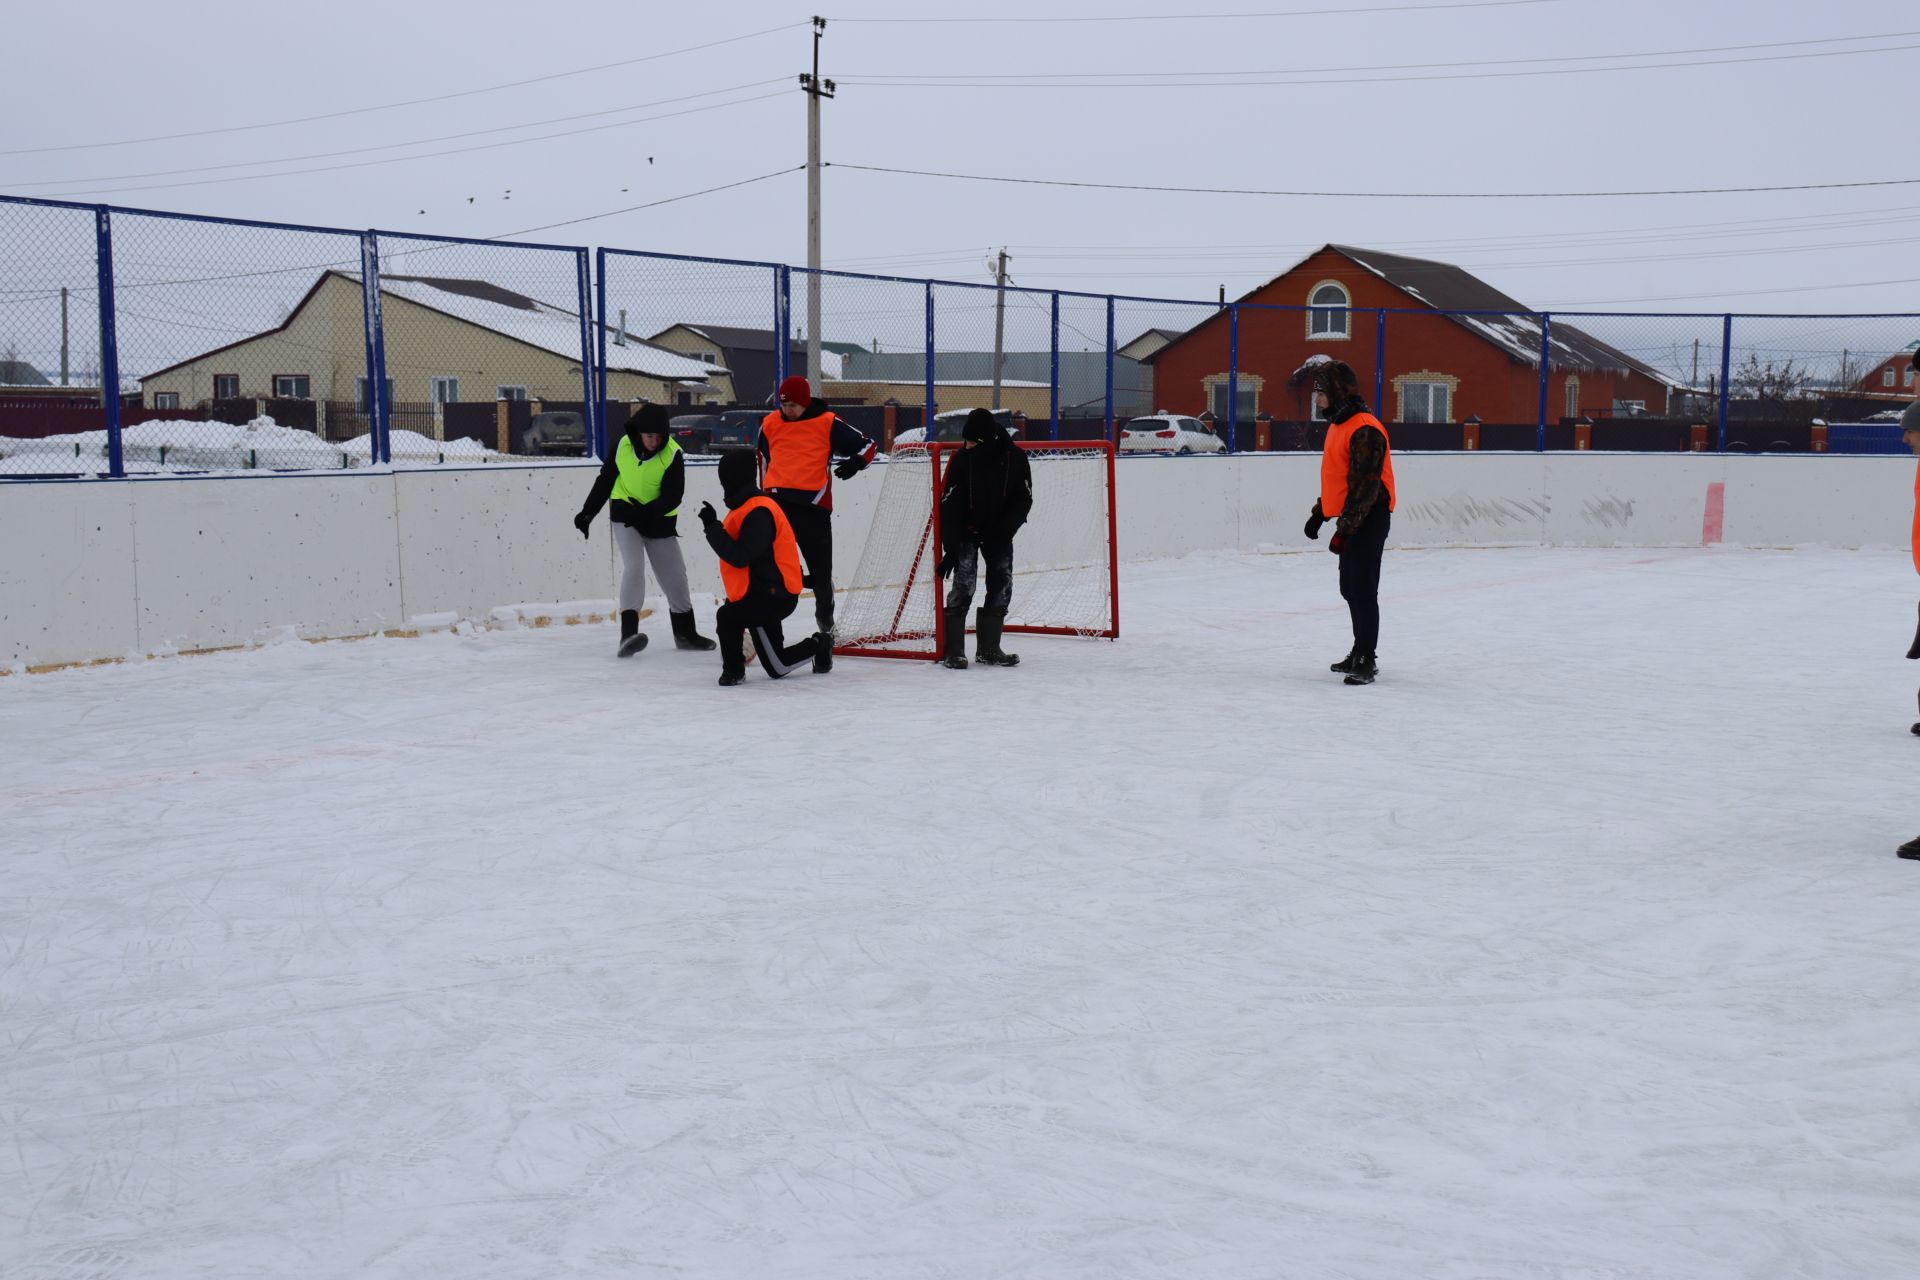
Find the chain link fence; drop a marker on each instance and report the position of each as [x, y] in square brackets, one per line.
[136, 342]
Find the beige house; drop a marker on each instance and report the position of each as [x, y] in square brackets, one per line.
[448, 341]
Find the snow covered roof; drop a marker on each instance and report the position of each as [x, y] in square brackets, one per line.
[540, 324]
[513, 315]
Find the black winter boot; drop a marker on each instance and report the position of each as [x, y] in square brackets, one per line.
[732, 673]
[631, 639]
[685, 636]
[1345, 664]
[1364, 670]
[1911, 849]
[986, 647]
[955, 655]
[822, 652]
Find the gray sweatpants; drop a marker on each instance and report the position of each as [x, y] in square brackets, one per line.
[668, 566]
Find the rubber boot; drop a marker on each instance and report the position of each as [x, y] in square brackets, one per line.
[955, 654]
[1364, 670]
[822, 653]
[986, 649]
[685, 636]
[632, 640]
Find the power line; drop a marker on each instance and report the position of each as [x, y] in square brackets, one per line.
[1742, 293]
[1212, 76]
[428, 155]
[651, 204]
[411, 102]
[416, 142]
[1380, 195]
[1213, 17]
[1213, 82]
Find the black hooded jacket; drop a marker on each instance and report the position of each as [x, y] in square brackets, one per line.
[989, 488]
[752, 549]
[648, 519]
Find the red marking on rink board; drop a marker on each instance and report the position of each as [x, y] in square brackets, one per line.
[1714, 522]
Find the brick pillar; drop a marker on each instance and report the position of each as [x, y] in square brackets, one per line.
[889, 416]
[1819, 443]
[1470, 434]
[1697, 437]
[1583, 434]
[1263, 432]
[500, 433]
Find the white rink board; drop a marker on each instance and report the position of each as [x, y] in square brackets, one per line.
[225, 562]
[221, 561]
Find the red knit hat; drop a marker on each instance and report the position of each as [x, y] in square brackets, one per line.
[797, 390]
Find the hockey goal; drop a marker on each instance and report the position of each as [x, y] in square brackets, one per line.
[1065, 574]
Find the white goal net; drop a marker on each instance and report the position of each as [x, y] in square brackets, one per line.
[1064, 579]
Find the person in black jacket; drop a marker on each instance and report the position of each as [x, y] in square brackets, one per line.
[985, 499]
[760, 570]
[645, 477]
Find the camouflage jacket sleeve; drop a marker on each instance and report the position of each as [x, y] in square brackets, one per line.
[1368, 453]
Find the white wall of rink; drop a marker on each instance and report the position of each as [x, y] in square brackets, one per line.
[96, 570]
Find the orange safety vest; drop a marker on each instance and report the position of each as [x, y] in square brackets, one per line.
[798, 451]
[786, 552]
[1338, 456]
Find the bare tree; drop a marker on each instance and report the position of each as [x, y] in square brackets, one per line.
[1753, 380]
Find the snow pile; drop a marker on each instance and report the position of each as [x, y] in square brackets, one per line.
[184, 445]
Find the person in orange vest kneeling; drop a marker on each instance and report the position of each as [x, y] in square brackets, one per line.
[1357, 492]
[1910, 435]
[760, 572]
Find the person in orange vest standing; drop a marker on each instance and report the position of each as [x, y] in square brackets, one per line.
[798, 443]
[1910, 436]
[760, 572]
[1358, 494]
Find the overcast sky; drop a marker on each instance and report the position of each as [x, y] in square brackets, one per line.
[1520, 97]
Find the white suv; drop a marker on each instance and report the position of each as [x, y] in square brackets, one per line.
[1169, 433]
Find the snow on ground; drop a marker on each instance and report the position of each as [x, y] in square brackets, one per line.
[1573, 948]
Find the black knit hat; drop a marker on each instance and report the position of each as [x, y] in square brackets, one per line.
[739, 475]
[649, 418]
[983, 428]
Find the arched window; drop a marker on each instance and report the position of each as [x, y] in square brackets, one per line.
[1573, 396]
[1327, 315]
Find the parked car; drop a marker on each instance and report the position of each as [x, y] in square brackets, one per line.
[712, 432]
[947, 426]
[1169, 433]
[560, 431]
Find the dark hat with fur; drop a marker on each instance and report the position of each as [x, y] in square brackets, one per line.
[1335, 377]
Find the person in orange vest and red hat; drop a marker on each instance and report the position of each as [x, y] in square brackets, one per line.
[1358, 494]
[798, 443]
[760, 572]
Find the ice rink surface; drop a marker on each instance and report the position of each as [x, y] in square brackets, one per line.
[1573, 948]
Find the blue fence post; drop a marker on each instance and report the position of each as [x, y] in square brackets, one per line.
[1546, 366]
[109, 341]
[1233, 378]
[783, 323]
[1109, 426]
[1054, 377]
[382, 403]
[370, 314]
[926, 413]
[597, 348]
[1380, 364]
[1726, 372]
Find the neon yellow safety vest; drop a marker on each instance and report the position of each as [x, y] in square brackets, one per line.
[640, 481]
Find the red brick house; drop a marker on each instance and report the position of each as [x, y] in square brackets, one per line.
[1892, 375]
[1438, 367]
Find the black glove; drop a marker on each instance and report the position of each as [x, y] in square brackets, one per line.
[583, 522]
[1338, 542]
[945, 566]
[708, 515]
[1314, 522]
[850, 468]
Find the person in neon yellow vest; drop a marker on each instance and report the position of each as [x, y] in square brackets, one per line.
[644, 478]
